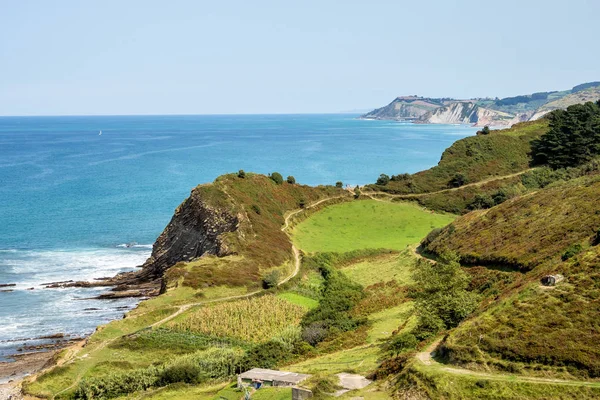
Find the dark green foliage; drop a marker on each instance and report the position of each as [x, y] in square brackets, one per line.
[383, 180]
[241, 174]
[484, 131]
[265, 355]
[357, 192]
[442, 298]
[400, 343]
[481, 201]
[271, 279]
[571, 251]
[458, 180]
[573, 138]
[291, 180]
[339, 184]
[302, 203]
[400, 177]
[256, 208]
[339, 296]
[596, 238]
[185, 373]
[276, 177]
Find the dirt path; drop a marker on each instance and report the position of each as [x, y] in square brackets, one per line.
[297, 262]
[474, 184]
[426, 358]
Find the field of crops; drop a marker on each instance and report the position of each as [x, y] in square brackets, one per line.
[255, 320]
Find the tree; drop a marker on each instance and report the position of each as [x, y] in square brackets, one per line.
[484, 131]
[573, 138]
[357, 192]
[241, 174]
[383, 180]
[441, 296]
[276, 177]
[339, 184]
[291, 180]
[271, 279]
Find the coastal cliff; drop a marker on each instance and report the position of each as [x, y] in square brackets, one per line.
[484, 111]
[195, 229]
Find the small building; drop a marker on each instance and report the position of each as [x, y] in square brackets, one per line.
[259, 377]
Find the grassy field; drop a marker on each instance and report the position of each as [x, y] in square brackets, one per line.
[299, 300]
[360, 360]
[366, 224]
[384, 268]
[387, 321]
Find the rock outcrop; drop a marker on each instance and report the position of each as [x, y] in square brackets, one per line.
[195, 229]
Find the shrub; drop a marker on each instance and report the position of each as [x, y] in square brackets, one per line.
[484, 131]
[400, 177]
[383, 180]
[185, 372]
[265, 355]
[357, 192]
[401, 343]
[571, 251]
[302, 203]
[291, 180]
[271, 279]
[458, 180]
[339, 184]
[241, 174]
[276, 177]
[481, 201]
[596, 238]
[256, 209]
[441, 296]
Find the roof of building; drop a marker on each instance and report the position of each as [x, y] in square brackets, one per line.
[272, 375]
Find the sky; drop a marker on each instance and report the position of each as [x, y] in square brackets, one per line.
[238, 56]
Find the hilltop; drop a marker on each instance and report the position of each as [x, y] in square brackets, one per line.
[482, 112]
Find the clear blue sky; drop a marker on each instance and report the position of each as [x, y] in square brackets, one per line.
[239, 56]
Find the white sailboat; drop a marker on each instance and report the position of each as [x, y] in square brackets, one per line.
[100, 134]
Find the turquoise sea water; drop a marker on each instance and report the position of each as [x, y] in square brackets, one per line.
[70, 198]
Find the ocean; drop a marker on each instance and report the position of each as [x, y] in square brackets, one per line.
[71, 198]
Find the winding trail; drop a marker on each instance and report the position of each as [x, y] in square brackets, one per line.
[297, 263]
[474, 184]
[183, 308]
[426, 358]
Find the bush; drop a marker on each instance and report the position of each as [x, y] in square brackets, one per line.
[302, 203]
[186, 373]
[481, 201]
[400, 177]
[441, 296]
[357, 192]
[484, 131]
[256, 209]
[339, 184]
[271, 279]
[383, 180]
[291, 180]
[265, 355]
[596, 238]
[571, 251]
[401, 343]
[241, 174]
[458, 180]
[276, 177]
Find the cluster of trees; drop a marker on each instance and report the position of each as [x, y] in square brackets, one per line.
[442, 301]
[573, 138]
[339, 296]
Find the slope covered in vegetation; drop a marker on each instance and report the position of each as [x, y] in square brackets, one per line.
[472, 159]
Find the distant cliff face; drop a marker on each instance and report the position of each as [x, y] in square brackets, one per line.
[195, 229]
[405, 108]
[481, 112]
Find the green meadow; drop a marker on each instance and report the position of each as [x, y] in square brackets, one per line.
[366, 224]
